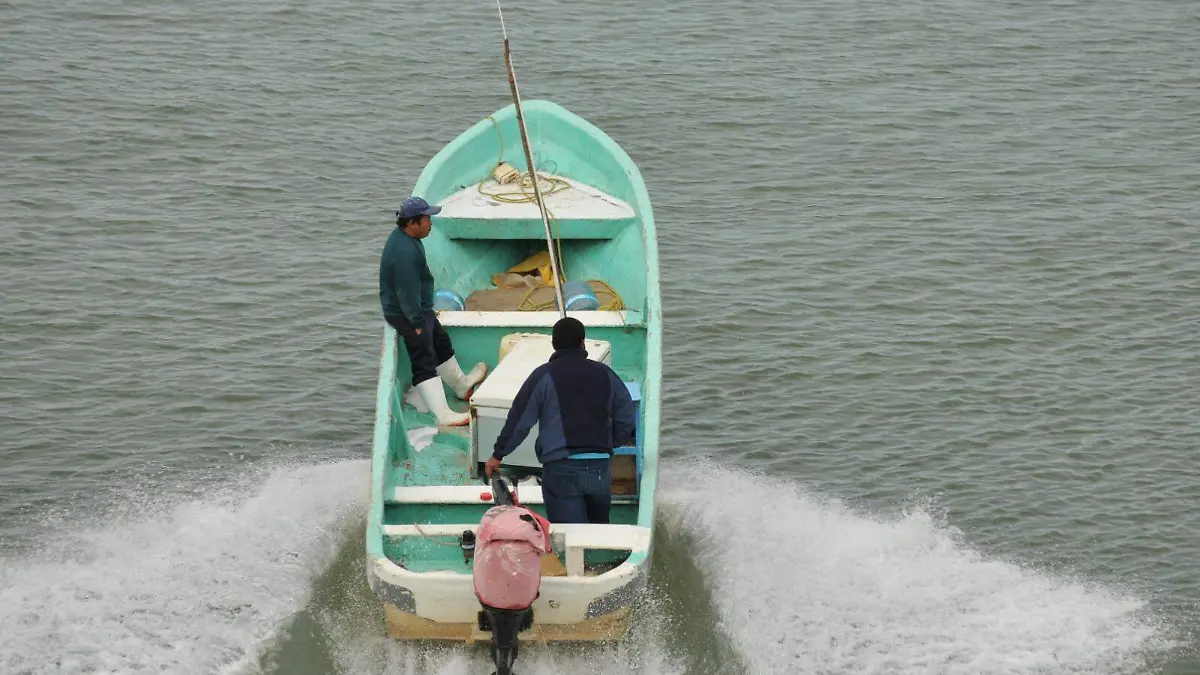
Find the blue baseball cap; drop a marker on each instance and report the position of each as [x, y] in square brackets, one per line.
[415, 206]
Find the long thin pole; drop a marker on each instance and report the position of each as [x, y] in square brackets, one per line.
[537, 191]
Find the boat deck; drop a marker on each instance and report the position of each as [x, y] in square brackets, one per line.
[487, 238]
[566, 199]
[509, 211]
[425, 490]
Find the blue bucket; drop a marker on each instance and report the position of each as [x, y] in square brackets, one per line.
[445, 299]
[579, 297]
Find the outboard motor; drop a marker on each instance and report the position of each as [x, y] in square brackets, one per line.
[508, 571]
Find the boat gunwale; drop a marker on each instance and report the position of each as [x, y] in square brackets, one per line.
[387, 393]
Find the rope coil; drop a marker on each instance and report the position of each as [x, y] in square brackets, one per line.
[548, 184]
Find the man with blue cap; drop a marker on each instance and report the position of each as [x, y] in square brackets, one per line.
[406, 295]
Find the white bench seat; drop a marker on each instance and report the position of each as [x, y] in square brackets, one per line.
[576, 538]
[522, 319]
[472, 494]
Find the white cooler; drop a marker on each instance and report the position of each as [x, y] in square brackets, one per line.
[520, 355]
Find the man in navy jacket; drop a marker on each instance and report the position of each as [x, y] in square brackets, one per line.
[583, 411]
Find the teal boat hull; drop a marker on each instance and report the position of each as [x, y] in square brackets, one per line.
[425, 487]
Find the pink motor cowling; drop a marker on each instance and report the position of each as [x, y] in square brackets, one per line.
[508, 551]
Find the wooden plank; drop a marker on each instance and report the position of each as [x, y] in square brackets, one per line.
[552, 566]
[624, 475]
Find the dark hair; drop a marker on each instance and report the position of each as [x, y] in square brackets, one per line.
[568, 334]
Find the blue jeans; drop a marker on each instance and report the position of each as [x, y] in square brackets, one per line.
[577, 490]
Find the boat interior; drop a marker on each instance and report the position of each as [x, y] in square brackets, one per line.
[488, 247]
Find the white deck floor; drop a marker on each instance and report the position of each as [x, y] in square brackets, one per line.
[580, 201]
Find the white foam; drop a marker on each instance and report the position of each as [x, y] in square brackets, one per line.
[194, 587]
[806, 585]
[360, 648]
[398, 658]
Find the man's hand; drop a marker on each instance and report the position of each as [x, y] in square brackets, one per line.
[492, 465]
[418, 331]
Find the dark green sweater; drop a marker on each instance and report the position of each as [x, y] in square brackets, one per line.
[405, 282]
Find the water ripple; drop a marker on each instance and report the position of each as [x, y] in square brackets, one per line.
[910, 250]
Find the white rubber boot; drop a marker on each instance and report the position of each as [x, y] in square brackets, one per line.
[463, 385]
[435, 398]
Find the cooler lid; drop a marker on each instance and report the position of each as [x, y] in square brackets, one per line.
[501, 385]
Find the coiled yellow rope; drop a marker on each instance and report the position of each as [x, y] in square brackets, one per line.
[614, 305]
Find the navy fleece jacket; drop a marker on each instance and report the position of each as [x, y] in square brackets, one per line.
[579, 406]
[405, 282]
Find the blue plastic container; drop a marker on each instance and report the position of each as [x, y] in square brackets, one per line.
[445, 299]
[579, 297]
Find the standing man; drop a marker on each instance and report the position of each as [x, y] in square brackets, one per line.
[583, 411]
[406, 295]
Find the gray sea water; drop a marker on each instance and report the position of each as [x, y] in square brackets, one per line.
[932, 302]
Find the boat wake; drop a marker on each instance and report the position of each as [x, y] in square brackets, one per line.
[790, 582]
[640, 654]
[804, 585]
[193, 587]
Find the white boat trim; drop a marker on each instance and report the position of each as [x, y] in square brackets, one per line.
[458, 494]
[519, 319]
[467, 494]
[575, 537]
[448, 597]
[578, 202]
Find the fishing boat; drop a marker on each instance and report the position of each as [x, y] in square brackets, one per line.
[585, 222]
